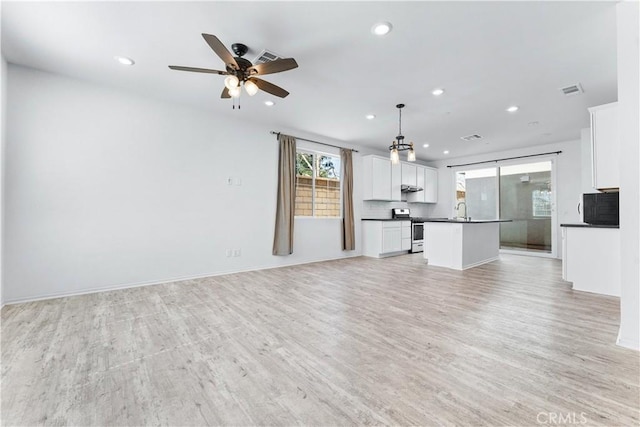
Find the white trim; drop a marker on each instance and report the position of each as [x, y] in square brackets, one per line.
[159, 282]
[631, 344]
[484, 261]
[525, 252]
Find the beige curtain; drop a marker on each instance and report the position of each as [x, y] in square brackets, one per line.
[348, 230]
[283, 238]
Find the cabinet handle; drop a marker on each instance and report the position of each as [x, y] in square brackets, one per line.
[579, 207]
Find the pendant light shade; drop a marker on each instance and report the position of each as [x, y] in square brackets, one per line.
[394, 155]
[411, 155]
[399, 144]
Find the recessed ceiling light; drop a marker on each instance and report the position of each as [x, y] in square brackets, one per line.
[381, 28]
[438, 92]
[445, 152]
[269, 103]
[425, 145]
[513, 109]
[124, 60]
[370, 116]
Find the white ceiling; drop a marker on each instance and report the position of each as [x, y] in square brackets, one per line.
[487, 56]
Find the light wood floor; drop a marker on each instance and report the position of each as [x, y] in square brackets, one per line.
[360, 341]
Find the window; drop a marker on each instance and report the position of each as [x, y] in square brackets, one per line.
[317, 185]
[541, 200]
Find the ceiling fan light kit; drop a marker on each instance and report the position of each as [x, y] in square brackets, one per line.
[399, 144]
[241, 72]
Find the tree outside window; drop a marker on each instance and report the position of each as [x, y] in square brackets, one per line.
[317, 185]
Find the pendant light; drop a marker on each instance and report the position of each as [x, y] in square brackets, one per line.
[399, 144]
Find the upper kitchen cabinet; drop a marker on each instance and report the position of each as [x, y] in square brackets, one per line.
[430, 185]
[381, 179]
[409, 174]
[427, 179]
[605, 146]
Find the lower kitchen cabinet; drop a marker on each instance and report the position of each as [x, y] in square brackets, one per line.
[591, 259]
[385, 238]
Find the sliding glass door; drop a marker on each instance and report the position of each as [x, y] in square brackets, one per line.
[522, 193]
[526, 198]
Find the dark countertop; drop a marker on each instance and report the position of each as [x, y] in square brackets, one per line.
[473, 221]
[386, 219]
[583, 225]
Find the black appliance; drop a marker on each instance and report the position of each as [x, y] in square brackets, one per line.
[601, 208]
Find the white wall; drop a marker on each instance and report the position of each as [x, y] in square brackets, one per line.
[3, 127]
[628, 93]
[105, 189]
[568, 180]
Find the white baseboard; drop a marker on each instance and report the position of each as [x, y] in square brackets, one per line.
[633, 345]
[484, 261]
[159, 282]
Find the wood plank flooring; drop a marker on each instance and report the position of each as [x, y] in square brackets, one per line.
[360, 341]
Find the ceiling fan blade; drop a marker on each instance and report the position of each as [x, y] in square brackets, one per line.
[225, 93]
[198, 70]
[270, 87]
[220, 50]
[274, 66]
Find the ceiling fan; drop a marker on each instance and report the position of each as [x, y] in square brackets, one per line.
[241, 72]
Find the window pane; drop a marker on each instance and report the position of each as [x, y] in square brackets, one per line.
[304, 184]
[525, 198]
[327, 195]
[477, 189]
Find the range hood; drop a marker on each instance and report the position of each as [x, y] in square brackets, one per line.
[410, 188]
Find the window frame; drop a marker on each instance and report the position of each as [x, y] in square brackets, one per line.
[313, 184]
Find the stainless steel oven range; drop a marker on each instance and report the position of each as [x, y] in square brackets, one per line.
[417, 228]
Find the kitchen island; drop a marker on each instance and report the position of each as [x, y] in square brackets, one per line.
[461, 244]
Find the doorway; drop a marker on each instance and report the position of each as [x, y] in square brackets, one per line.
[520, 192]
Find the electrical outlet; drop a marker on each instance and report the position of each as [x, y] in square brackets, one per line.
[229, 253]
[236, 252]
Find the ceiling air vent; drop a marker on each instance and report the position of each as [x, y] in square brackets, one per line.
[473, 137]
[266, 56]
[572, 90]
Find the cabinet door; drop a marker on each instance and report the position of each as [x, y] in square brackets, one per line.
[606, 146]
[391, 239]
[430, 185]
[396, 194]
[406, 236]
[420, 176]
[381, 179]
[408, 174]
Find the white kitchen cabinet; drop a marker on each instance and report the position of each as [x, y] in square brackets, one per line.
[381, 179]
[591, 259]
[396, 184]
[408, 174]
[605, 146]
[385, 238]
[430, 185]
[427, 179]
[405, 236]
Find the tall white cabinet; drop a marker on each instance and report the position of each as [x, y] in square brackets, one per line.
[605, 146]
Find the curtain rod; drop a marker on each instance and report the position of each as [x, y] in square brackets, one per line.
[315, 142]
[506, 158]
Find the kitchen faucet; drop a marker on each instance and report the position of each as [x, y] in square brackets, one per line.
[465, 210]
